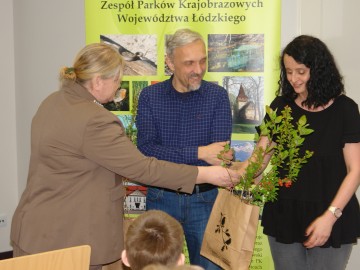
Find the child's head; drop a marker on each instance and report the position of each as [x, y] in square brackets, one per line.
[153, 237]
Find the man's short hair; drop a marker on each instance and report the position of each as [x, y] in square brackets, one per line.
[181, 38]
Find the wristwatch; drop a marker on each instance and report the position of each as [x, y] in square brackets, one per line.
[336, 211]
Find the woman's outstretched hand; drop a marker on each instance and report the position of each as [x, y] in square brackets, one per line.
[218, 176]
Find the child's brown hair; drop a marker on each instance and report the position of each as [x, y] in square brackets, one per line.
[154, 238]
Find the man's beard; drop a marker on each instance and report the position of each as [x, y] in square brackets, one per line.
[197, 86]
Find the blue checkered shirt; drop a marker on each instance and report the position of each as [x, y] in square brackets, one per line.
[172, 125]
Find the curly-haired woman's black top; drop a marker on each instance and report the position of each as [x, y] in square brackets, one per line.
[287, 218]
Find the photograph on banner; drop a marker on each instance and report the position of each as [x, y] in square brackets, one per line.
[135, 200]
[125, 99]
[246, 94]
[121, 100]
[138, 51]
[242, 149]
[235, 53]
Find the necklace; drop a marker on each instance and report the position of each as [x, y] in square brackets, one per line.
[98, 103]
[312, 109]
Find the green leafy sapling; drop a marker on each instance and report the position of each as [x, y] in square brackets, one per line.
[285, 141]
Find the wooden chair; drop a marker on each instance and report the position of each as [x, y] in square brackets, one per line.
[73, 258]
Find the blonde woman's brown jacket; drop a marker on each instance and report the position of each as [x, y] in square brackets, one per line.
[73, 196]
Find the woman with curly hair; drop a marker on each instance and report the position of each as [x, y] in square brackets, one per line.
[314, 223]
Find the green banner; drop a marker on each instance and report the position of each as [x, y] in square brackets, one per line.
[243, 43]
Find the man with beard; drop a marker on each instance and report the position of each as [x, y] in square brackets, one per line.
[185, 120]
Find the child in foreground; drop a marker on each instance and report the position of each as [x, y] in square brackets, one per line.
[154, 238]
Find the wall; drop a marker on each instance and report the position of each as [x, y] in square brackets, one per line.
[336, 23]
[8, 157]
[46, 38]
[39, 36]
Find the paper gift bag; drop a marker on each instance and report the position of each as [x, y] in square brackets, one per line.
[231, 232]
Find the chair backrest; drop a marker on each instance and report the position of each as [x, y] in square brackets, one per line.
[73, 258]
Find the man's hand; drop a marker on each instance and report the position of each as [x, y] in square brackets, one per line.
[239, 165]
[210, 153]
